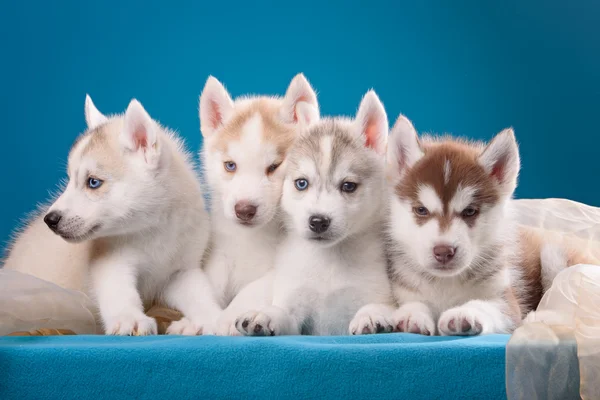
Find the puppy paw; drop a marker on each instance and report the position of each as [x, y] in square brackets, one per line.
[186, 327]
[131, 324]
[370, 321]
[411, 319]
[463, 321]
[226, 327]
[262, 323]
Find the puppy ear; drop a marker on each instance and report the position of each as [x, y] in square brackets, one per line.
[93, 117]
[372, 122]
[216, 106]
[300, 103]
[404, 149]
[140, 133]
[501, 160]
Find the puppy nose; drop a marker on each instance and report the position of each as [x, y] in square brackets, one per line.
[245, 211]
[52, 219]
[444, 253]
[318, 223]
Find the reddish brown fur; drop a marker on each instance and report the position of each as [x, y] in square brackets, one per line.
[275, 131]
[529, 262]
[531, 241]
[514, 311]
[465, 171]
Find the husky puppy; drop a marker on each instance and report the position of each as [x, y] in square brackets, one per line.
[131, 219]
[332, 261]
[460, 264]
[452, 237]
[244, 153]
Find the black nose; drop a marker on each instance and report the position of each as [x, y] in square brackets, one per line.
[318, 223]
[52, 219]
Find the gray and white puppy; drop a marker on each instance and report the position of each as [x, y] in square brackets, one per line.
[332, 262]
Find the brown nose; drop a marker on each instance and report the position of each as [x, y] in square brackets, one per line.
[444, 253]
[245, 211]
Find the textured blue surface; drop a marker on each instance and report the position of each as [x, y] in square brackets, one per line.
[470, 68]
[392, 366]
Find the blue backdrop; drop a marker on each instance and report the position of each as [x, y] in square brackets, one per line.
[470, 68]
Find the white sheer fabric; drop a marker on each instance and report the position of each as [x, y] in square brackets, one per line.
[556, 353]
[28, 303]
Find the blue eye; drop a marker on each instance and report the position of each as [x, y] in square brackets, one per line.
[94, 183]
[301, 184]
[230, 166]
[349, 187]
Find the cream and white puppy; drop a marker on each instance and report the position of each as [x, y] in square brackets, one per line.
[244, 155]
[130, 223]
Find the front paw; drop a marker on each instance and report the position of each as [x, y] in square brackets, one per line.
[463, 321]
[413, 320]
[226, 327]
[130, 324]
[259, 323]
[365, 322]
[187, 327]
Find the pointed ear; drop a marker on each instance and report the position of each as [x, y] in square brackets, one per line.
[300, 103]
[404, 149]
[216, 106]
[372, 122]
[140, 132]
[93, 117]
[501, 160]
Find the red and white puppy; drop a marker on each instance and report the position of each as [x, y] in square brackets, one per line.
[451, 234]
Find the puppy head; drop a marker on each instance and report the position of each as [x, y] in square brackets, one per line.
[245, 146]
[448, 198]
[113, 169]
[335, 175]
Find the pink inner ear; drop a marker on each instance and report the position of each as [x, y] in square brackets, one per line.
[216, 116]
[372, 134]
[298, 100]
[498, 170]
[140, 137]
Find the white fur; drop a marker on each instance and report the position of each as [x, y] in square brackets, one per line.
[429, 198]
[300, 104]
[553, 260]
[403, 149]
[241, 256]
[462, 198]
[216, 106]
[140, 236]
[339, 284]
[501, 159]
[414, 317]
[447, 172]
[427, 293]
[93, 117]
[371, 120]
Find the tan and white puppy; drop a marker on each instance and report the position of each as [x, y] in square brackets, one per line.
[245, 146]
[451, 234]
[130, 223]
[332, 261]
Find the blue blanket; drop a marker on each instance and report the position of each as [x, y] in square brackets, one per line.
[391, 366]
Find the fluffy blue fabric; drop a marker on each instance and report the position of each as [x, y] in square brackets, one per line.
[390, 366]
